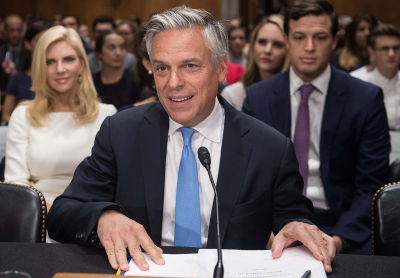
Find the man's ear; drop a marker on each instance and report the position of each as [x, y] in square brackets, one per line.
[147, 64]
[222, 69]
[285, 37]
[371, 53]
[335, 40]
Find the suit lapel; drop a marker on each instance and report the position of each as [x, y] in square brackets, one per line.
[153, 150]
[235, 155]
[280, 104]
[334, 105]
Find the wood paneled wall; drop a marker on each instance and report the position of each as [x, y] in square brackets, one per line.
[88, 10]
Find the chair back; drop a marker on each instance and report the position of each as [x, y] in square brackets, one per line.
[395, 171]
[386, 221]
[22, 214]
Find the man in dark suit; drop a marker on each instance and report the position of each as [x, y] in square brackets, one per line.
[129, 192]
[338, 125]
[11, 50]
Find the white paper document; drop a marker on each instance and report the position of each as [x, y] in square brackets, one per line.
[237, 264]
[177, 265]
[260, 264]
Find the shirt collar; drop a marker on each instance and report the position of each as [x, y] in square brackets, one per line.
[321, 83]
[211, 127]
[18, 48]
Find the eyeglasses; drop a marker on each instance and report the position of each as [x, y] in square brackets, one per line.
[386, 48]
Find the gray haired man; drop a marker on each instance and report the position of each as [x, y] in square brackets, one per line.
[143, 185]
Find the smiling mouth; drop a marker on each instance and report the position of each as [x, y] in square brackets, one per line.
[181, 99]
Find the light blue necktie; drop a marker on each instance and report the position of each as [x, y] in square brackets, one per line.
[187, 208]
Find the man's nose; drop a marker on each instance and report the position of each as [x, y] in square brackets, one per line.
[391, 51]
[175, 80]
[310, 45]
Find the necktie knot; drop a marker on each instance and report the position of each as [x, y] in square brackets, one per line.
[306, 91]
[187, 134]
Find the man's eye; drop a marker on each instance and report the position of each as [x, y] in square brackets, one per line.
[191, 65]
[161, 68]
[111, 47]
[298, 38]
[321, 38]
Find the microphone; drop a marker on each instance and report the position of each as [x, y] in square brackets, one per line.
[205, 159]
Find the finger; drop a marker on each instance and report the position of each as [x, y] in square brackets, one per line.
[322, 243]
[120, 253]
[136, 253]
[311, 237]
[109, 247]
[159, 249]
[149, 246]
[330, 244]
[277, 245]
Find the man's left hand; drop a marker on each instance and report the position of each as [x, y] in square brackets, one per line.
[322, 247]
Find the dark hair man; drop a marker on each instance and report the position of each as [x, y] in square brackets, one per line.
[338, 125]
[100, 24]
[72, 21]
[384, 50]
[143, 163]
[11, 50]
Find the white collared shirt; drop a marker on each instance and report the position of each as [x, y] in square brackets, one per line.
[391, 93]
[316, 104]
[209, 134]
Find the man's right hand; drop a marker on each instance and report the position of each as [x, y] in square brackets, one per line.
[118, 232]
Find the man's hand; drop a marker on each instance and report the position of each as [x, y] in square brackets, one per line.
[323, 248]
[9, 67]
[117, 232]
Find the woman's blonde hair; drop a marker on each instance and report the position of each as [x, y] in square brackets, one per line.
[83, 103]
[252, 74]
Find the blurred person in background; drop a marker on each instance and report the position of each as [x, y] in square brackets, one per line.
[344, 21]
[127, 30]
[11, 50]
[19, 87]
[384, 49]
[237, 41]
[72, 21]
[2, 32]
[49, 136]
[136, 21]
[354, 54]
[100, 24]
[267, 57]
[57, 19]
[114, 83]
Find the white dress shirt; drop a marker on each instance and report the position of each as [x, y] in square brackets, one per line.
[316, 104]
[361, 73]
[209, 134]
[391, 93]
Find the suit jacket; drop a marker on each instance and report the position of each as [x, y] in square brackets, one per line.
[354, 144]
[258, 184]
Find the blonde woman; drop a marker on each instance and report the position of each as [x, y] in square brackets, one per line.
[267, 56]
[49, 136]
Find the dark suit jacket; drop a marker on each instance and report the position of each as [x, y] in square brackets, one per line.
[259, 185]
[354, 146]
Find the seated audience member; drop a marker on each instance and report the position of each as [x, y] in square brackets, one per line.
[2, 32]
[11, 50]
[101, 24]
[127, 30]
[363, 72]
[136, 21]
[114, 84]
[384, 49]
[72, 21]
[354, 54]
[238, 22]
[49, 136]
[237, 40]
[267, 57]
[130, 194]
[19, 87]
[338, 125]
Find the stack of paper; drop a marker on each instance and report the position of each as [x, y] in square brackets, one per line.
[237, 263]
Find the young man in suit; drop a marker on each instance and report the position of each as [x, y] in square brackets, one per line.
[338, 125]
[143, 186]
